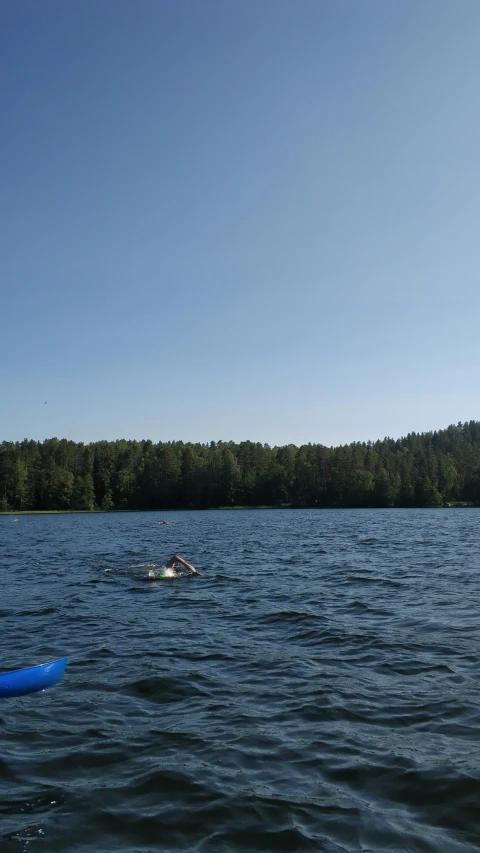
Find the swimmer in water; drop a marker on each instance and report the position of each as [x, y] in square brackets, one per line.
[175, 560]
[169, 566]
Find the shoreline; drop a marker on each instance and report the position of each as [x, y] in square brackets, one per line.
[451, 505]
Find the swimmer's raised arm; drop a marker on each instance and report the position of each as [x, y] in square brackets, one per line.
[176, 559]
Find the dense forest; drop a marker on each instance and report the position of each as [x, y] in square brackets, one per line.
[417, 471]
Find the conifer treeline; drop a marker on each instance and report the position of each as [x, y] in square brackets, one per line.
[419, 470]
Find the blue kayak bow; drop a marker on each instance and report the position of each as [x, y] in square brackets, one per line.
[19, 682]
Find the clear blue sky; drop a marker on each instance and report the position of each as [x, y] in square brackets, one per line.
[232, 219]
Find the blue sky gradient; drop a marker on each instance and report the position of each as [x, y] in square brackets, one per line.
[231, 220]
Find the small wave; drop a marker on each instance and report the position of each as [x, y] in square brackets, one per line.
[163, 690]
[288, 616]
[33, 805]
[42, 611]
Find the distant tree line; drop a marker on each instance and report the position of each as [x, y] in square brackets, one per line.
[417, 471]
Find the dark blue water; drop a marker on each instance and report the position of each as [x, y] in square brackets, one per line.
[315, 688]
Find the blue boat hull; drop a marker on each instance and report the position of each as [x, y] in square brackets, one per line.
[20, 682]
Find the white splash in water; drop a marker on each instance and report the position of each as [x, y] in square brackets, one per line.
[169, 573]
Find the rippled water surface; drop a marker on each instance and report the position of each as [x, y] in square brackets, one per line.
[315, 688]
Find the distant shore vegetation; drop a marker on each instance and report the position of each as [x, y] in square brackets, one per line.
[420, 470]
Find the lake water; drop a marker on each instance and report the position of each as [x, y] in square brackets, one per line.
[315, 688]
